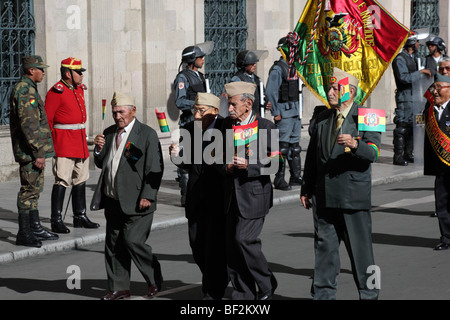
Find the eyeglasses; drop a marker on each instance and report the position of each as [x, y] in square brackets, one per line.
[437, 88]
[79, 72]
[201, 111]
[441, 69]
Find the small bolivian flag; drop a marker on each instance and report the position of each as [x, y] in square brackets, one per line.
[371, 120]
[103, 108]
[243, 135]
[344, 90]
[162, 120]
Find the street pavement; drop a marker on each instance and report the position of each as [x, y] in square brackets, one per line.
[169, 211]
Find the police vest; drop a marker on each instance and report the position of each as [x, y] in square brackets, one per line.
[289, 89]
[196, 84]
[412, 67]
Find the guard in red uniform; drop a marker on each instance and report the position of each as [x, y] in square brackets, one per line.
[66, 112]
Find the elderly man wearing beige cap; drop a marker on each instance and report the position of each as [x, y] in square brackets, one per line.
[129, 154]
[204, 198]
[337, 179]
[248, 198]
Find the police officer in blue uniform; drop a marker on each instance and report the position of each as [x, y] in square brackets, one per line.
[284, 96]
[188, 83]
[406, 72]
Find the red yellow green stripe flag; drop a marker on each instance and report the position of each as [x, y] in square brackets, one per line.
[162, 120]
[357, 36]
[371, 120]
[344, 90]
[245, 134]
[103, 108]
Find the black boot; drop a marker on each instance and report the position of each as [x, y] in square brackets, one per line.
[80, 220]
[279, 182]
[295, 166]
[37, 229]
[409, 145]
[184, 178]
[25, 237]
[399, 145]
[57, 223]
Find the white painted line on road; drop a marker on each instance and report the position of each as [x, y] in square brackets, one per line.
[406, 202]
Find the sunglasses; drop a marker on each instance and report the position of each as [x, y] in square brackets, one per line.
[441, 69]
[79, 72]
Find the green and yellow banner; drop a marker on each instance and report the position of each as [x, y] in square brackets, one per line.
[357, 36]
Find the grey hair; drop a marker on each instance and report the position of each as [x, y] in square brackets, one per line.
[443, 59]
[246, 96]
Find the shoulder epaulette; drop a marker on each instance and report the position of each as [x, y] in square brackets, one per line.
[59, 87]
[83, 86]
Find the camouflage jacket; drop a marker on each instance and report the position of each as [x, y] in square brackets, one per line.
[30, 132]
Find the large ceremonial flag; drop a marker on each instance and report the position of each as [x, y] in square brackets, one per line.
[162, 121]
[357, 36]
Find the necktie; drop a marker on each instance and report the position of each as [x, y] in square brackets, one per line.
[339, 120]
[119, 137]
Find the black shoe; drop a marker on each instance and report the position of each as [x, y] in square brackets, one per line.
[400, 162]
[441, 246]
[82, 221]
[409, 159]
[433, 215]
[36, 228]
[296, 181]
[25, 237]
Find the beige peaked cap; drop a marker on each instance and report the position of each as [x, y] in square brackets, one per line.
[340, 74]
[121, 99]
[207, 99]
[240, 87]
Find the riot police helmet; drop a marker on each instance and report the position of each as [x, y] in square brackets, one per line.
[438, 42]
[245, 58]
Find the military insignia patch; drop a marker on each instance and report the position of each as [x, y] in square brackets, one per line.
[59, 87]
[181, 86]
[32, 102]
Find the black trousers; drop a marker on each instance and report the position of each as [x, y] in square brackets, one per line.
[247, 265]
[208, 244]
[125, 241]
[442, 194]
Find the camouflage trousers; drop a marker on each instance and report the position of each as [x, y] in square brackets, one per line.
[32, 184]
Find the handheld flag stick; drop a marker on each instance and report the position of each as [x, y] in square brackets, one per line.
[103, 113]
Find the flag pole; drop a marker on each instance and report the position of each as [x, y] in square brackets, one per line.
[103, 114]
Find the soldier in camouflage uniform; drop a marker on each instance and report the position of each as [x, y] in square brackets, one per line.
[32, 144]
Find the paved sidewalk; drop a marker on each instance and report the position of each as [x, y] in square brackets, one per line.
[169, 212]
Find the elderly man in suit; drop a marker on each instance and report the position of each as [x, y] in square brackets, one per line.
[248, 195]
[129, 154]
[436, 156]
[204, 194]
[338, 182]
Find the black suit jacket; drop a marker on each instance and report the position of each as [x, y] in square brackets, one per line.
[206, 184]
[136, 178]
[252, 187]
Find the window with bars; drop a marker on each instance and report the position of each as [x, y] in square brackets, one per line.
[226, 25]
[425, 16]
[17, 34]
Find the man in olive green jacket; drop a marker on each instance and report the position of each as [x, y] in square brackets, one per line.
[32, 143]
[338, 181]
[129, 154]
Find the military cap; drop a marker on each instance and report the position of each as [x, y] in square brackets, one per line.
[121, 99]
[339, 74]
[240, 87]
[441, 78]
[207, 99]
[72, 64]
[33, 62]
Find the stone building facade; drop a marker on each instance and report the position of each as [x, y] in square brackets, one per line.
[135, 46]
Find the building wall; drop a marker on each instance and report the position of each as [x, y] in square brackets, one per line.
[135, 46]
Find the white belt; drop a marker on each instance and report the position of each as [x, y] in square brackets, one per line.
[76, 126]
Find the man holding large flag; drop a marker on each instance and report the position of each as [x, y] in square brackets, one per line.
[437, 153]
[338, 186]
